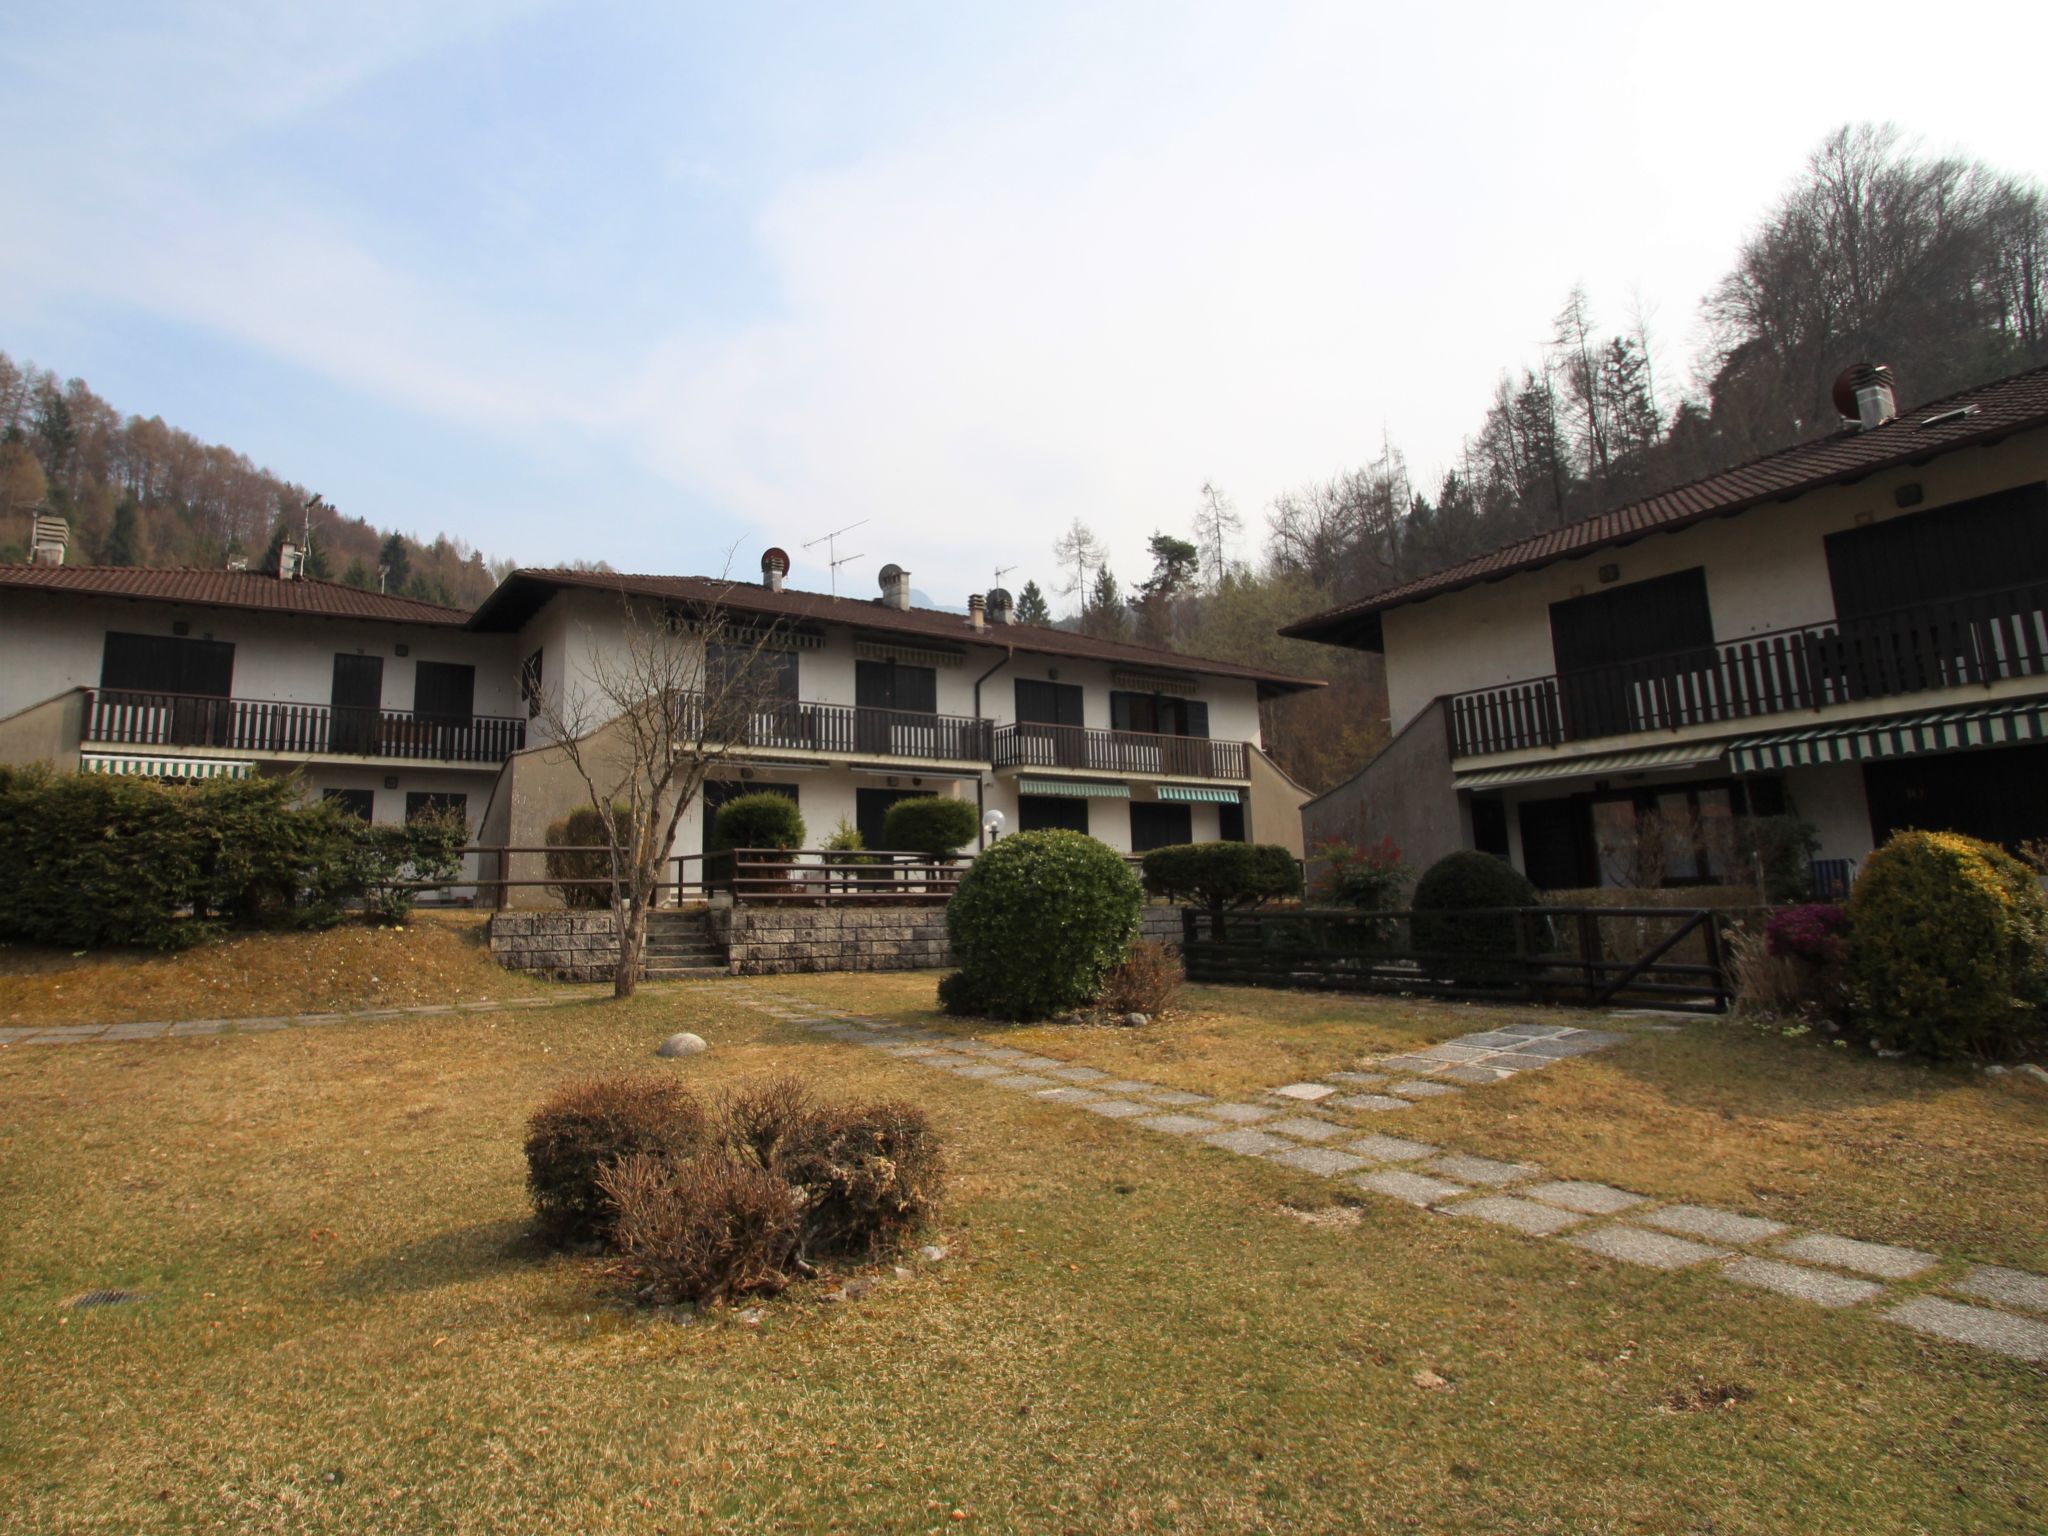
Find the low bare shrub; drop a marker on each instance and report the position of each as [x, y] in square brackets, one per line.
[759, 1115]
[703, 1231]
[1767, 985]
[865, 1176]
[589, 1124]
[1146, 982]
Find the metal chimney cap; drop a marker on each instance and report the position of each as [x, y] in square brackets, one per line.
[776, 560]
[889, 575]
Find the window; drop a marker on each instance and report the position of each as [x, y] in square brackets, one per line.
[1618, 652]
[1049, 813]
[893, 685]
[1986, 544]
[360, 803]
[773, 672]
[1045, 703]
[436, 803]
[167, 664]
[444, 692]
[1158, 714]
[529, 683]
[1230, 822]
[1160, 826]
[1684, 835]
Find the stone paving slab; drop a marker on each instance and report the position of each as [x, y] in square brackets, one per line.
[1415, 1188]
[1814, 1285]
[1528, 1216]
[2010, 1287]
[1532, 1031]
[1246, 1142]
[134, 1031]
[1122, 1085]
[1307, 1093]
[1077, 1074]
[1716, 1226]
[1116, 1109]
[1176, 1096]
[1241, 1114]
[1647, 1250]
[1452, 1052]
[1038, 1063]
[1519, 1061]
[199, 1027]
[1391, 1149]
[1477, 1077]
[1409, 1063]
[1881, 1260]
[981, 1069]
[2000, 1332]
[1370, 1103]
[1306, 1128]
[1324, 1162]
[1180, 1125]
[1071, 1095]
[1482, 1170]
[1356, 1079]
[1030, 1080]
[1587, 1198]
[1424, 1088]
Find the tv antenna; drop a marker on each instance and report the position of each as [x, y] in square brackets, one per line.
[1001, 572]
[833, 559]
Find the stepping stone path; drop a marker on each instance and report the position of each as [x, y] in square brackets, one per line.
[1473, 1061]
[1606, 1223]
[83, 1034]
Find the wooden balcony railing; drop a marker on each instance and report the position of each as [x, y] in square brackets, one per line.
[1973, 640]
[274, 728]
[860, 731]
[1132, 754]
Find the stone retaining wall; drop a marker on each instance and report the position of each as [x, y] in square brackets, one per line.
[775, 940]
[572, 946]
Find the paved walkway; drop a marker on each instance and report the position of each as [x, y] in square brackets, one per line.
[1981, 1305]
[81, 1034]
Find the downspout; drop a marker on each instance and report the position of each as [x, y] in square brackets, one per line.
[980, 806]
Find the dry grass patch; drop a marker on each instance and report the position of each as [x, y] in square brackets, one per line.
[349, 1329]
[436, 957]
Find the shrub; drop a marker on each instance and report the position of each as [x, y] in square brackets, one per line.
[1036, 923]
[1947, 957]
[584, 828]
[589, 1124]
[428, 849]
[929, 824]
[1814, 932]
[1146, 981]
[1457, 927]
[1370, 879]
[866, 1175]
[763, 819]
[1783, 849]
[701, 1231]
[1220, 875]
[759, 1115]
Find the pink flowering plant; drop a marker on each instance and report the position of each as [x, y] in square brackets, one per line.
[1817, 932]
[1370, 878]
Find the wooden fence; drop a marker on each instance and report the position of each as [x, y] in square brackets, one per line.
[1511, 955]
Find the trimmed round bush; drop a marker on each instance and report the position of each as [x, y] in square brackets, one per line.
[763, 819]
[1458, 926]
[1037, 923]
[1220, 875]
[1948, 952]
[583, 828]
[589, 1125]
[929, 824]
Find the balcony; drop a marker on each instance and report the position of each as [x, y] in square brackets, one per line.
[1127, 754]
[270, 728]
[859, 731]
[1963, 642]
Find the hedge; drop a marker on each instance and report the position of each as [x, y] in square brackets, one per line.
[91, 860]
[1458, 926]
[929, 824]
[1220, 875]
[584, 828]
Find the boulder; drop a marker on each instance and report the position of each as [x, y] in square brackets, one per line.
[683, 1044]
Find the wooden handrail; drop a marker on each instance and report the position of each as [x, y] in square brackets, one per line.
[124, 717]
[1140, 754]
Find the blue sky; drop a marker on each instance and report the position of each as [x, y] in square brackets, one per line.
[590, 282]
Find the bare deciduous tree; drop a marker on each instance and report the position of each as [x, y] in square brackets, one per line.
[681, 690]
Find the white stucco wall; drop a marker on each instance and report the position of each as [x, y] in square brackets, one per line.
[1766, 570]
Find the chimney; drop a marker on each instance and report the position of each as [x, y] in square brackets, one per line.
[1864, 395]
[895, 587]
[774, 566]
[290, 562]
[977, 612]
[1000, 609]
[47, 539]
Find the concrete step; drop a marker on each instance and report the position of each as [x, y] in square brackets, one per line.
[680, 972]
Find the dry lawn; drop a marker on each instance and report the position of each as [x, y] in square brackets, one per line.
[345, 1329]
[437, 957]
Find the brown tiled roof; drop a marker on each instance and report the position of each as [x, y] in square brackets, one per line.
[227, 589]
[522, 594]
[1925, 432]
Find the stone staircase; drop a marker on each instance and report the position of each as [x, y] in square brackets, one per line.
[680, 945]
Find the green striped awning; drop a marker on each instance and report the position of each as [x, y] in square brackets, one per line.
[1083, 789]
[164, 767]
[1198, 792]
[1948, 730]
[1646, 760]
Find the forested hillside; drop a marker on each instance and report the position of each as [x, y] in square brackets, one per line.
[139, 492]
[1938, 267]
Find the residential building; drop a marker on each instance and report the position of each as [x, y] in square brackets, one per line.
[393, 704]
[1853, 630]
